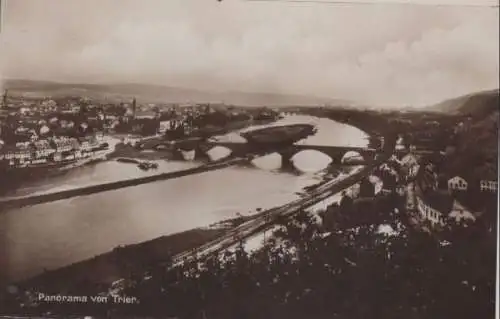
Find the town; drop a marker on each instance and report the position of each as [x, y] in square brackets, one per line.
[41, 134]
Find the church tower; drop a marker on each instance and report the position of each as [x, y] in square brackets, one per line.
[134, 107]
[4, 100]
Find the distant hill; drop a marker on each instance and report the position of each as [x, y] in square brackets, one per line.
[158, 93]
[476, 154]
[480, 103]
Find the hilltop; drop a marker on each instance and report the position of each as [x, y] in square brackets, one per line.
[476, 104]
[159, 93]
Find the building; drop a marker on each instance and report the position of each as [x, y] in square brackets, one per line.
[413, 171]
[65, 144]
[409, 160]
[400, 144]
[43, 148]
[87, 146]
[146, 114]
[429, 213]
[488, 186]
[457, 183]
[460, 212]
[388, 169]
[433, 206]
[410, 165]
[164, 126]
[439, 207]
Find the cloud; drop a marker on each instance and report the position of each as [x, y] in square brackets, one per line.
[377, 54]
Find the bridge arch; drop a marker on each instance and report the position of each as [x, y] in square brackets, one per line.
[309, 161]
[218, 152]
[271, 161]
[188, 155]
[352, 157]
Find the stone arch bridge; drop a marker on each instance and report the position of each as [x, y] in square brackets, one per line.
[340, 155]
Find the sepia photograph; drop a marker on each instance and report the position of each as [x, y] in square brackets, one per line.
[249, 159]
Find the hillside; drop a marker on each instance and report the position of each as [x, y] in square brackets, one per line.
[476, 152]
[478, 148]
[477, 104]
[157, 93]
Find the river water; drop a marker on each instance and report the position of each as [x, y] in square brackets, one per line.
[56, 234]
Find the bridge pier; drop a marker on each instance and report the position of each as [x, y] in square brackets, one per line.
[369, 156]
[177, 155]
[286, 160]
[336, 159]
[201, 153]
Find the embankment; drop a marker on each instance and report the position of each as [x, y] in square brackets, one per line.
[104, 269]
[8, 203]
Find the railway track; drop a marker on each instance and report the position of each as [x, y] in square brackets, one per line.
[267, 219]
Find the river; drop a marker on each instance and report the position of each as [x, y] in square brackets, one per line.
[56, 234]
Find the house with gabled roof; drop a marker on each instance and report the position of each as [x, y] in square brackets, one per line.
[457, 183]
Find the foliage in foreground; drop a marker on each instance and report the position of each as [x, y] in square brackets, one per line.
[351, 272]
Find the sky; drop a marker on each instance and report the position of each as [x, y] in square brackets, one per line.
[382, 55]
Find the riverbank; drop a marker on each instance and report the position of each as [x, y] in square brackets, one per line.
[101, 271]
[373, 123]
